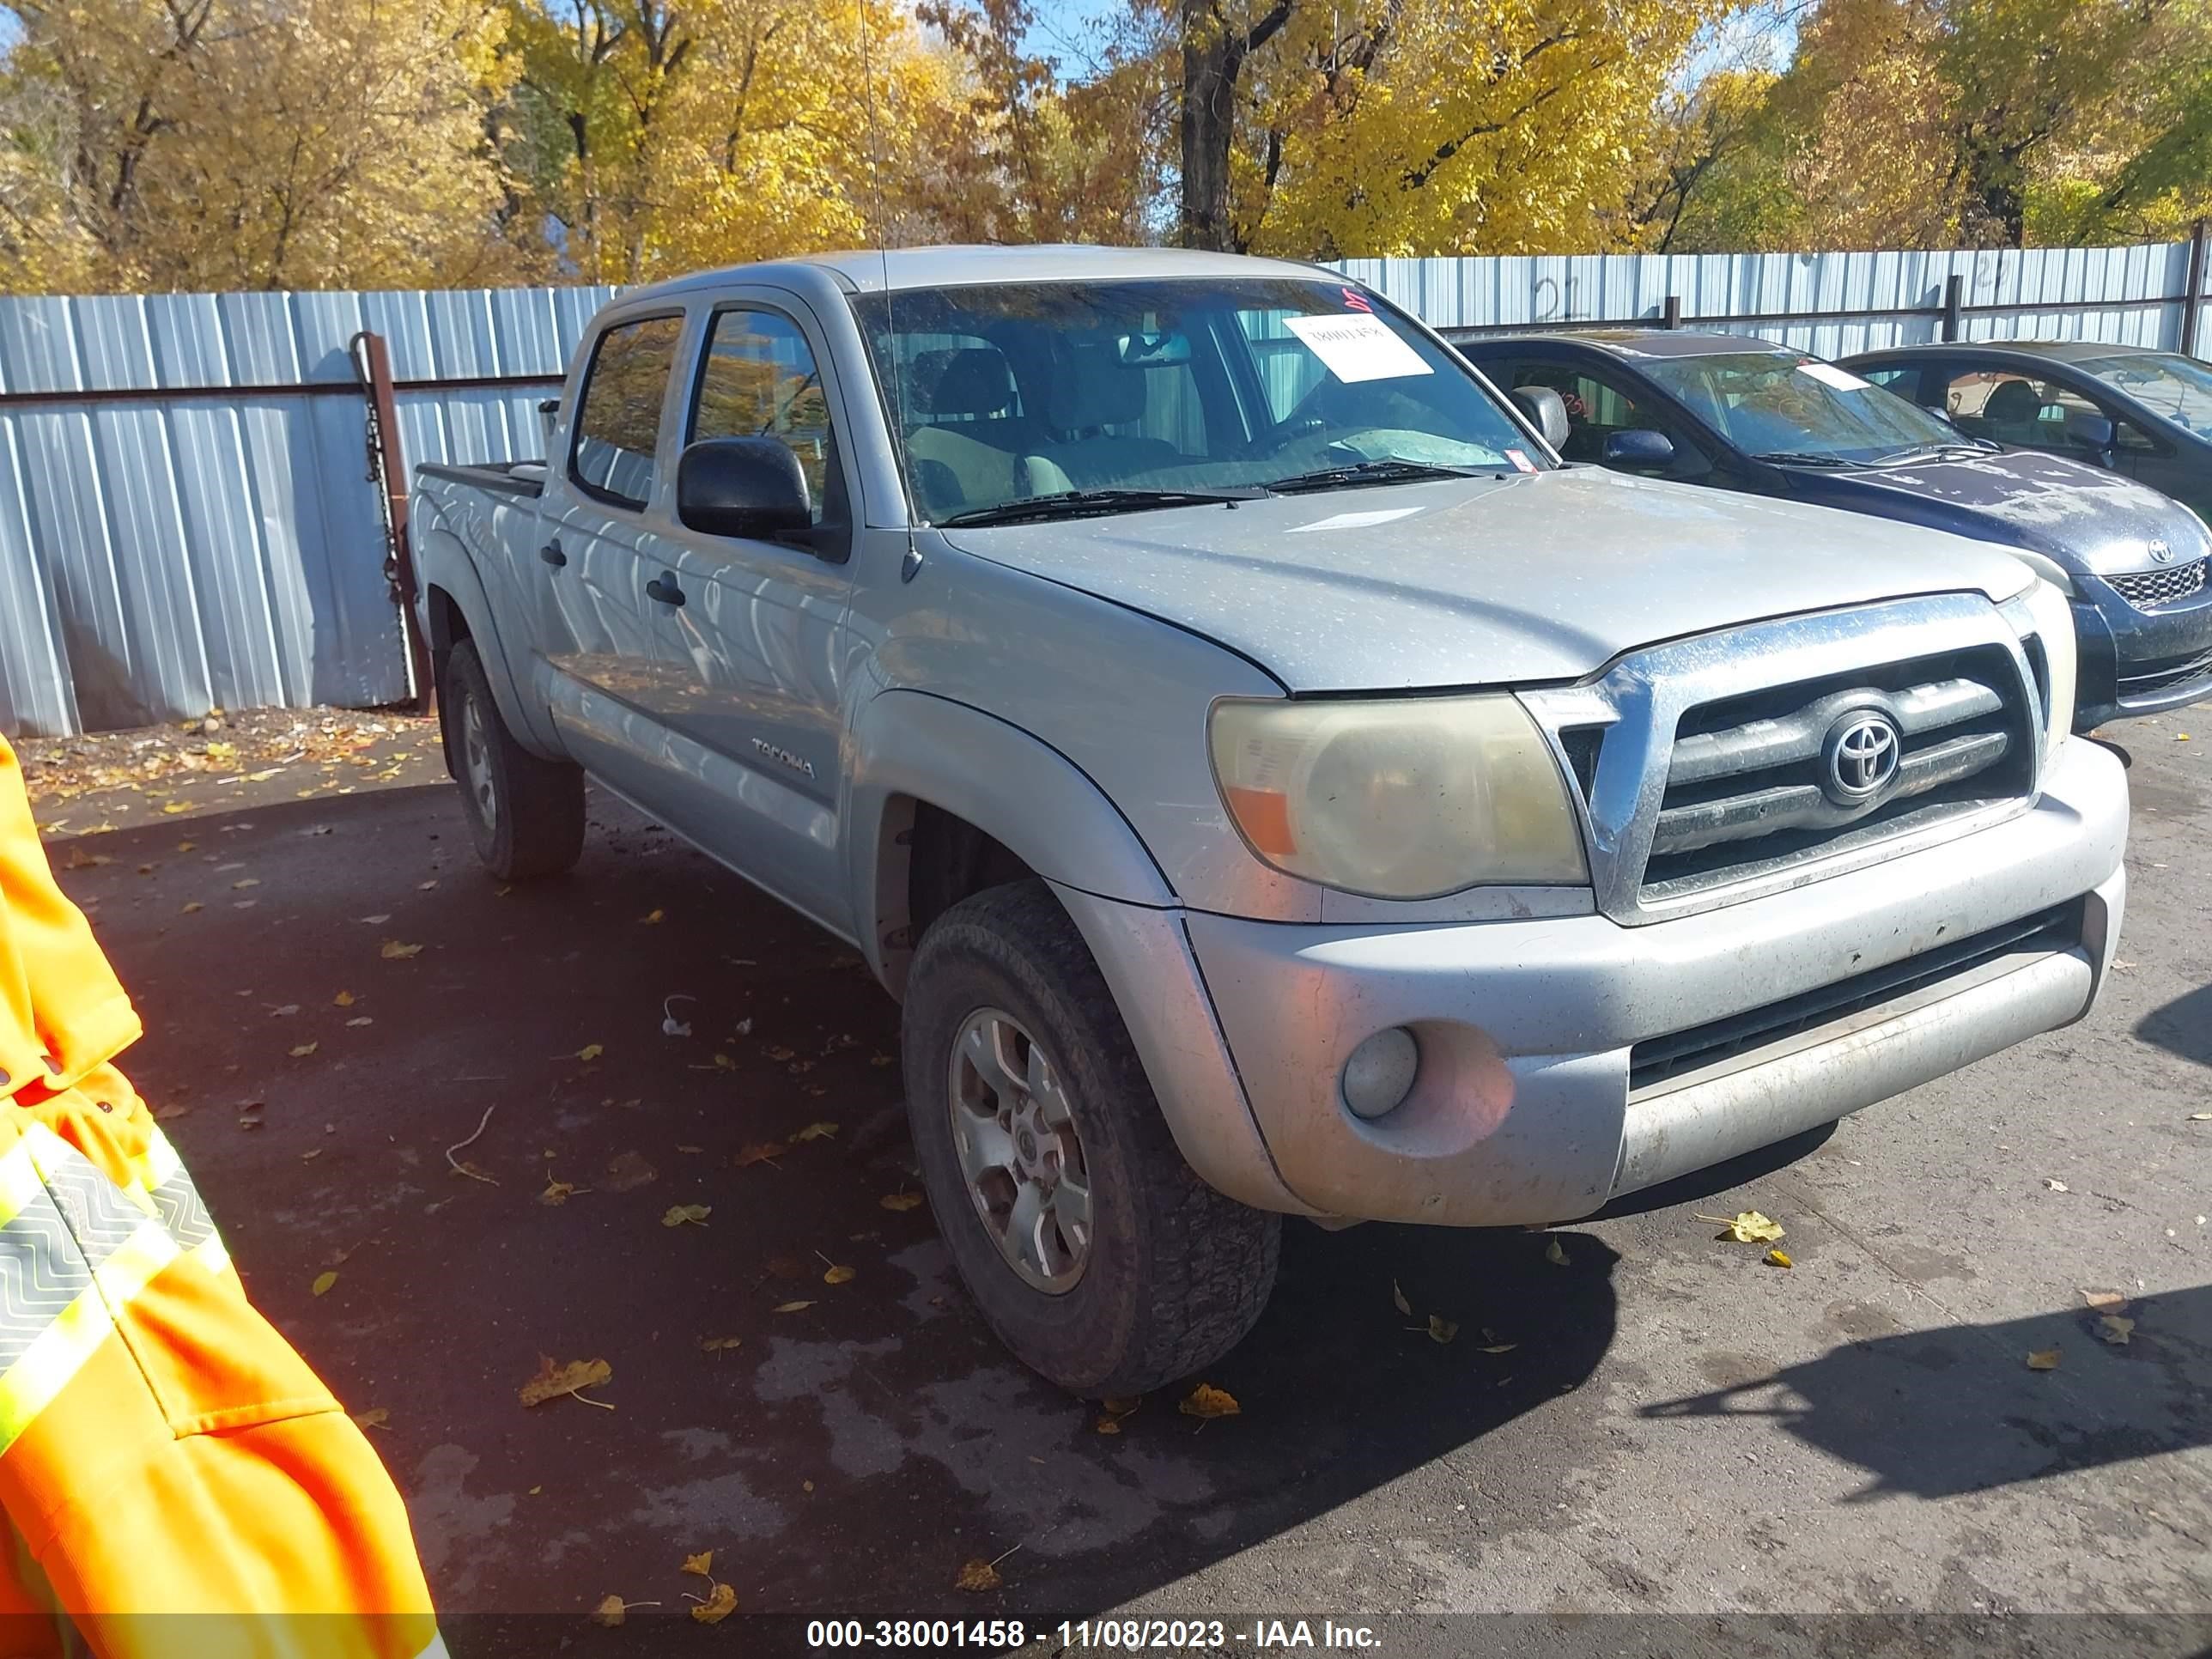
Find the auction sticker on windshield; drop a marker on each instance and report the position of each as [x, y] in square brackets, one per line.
[1358, 348]
[1829, 375]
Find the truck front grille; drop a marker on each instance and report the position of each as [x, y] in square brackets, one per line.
[1758, 780]
[1658, 1061]
[2147, 590]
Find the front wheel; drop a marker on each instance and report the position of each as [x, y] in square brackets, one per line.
[526, 813]
[1094, 1251]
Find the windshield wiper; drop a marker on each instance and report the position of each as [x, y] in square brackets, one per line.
[1804, 458]
[1958, 445]
[1388, 469]
[1074, 503]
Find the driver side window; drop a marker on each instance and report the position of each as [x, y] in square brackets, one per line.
[759, 379]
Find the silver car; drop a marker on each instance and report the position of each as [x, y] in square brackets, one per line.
[1273, 783]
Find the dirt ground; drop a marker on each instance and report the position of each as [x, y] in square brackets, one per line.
[341, 1009]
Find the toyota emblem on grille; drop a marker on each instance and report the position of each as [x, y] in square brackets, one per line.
[1862, 755]
[2160, 550]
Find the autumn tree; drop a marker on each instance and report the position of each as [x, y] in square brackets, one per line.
[168, 144]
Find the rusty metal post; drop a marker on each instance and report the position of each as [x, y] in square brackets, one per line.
[388, 471]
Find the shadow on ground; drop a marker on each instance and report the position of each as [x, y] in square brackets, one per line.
[2183, 1026]
[1940, 1412]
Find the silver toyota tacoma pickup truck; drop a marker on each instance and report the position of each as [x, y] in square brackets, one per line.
[1271, 782]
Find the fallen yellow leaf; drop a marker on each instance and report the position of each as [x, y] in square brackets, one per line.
[652, 916]
[425, 886]
[1398, 1300]
[249, 881]
[978, 1576]
[610, 1612]
[723, 1063]
[375, 1419]
[1777, 1258]
[1499, 1347]
[817, 1132]
[553, 1381]
[194, 905]
[556, 1192]
[1556, 1254]
[901, 1201]
[302, 1050]
[760, 1151]
[701, 1564]
[393, 950]
[176, 806]
[343, 999]
[1746, 1227]
[2115, 1328]
[1107, 1426]
[721, 1601]
[1206, 1401]
[323, 1282]
[718, 1344]
[684, 1215]
[839, 1275]
[792, 1307]
[2043, 1359]
[2105, 1298]
[1123, 1405]
[591, 1051]
[1441, 1330]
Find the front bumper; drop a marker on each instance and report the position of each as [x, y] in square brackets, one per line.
[2132, 662]
[1525, 1111]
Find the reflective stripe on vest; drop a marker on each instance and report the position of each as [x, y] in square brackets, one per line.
[74, 1248]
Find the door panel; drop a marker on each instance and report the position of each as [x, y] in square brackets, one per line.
[594, 623]
[751, 663]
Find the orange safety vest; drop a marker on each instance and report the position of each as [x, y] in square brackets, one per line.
[177, 1483]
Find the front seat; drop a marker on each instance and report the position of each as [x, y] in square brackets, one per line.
[2012, 413]
[962, 436]
[1093, 389]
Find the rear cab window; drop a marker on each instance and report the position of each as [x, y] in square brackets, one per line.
[613, 458]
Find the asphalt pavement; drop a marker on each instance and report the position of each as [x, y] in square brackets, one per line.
[1633, 1418]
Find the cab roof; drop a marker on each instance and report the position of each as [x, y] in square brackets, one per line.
[872, 271]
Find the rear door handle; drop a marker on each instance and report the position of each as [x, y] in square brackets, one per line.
[663, 587]
[552, 555]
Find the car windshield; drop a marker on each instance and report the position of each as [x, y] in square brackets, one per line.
[1048, 399]
[1777, 402]
[2179, 388]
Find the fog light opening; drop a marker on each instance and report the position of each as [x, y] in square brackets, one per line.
[1379, 1074]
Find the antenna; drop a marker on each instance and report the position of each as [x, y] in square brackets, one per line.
[911, 565]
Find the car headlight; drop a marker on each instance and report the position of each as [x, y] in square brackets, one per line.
[2051, 618]
[1404, 799]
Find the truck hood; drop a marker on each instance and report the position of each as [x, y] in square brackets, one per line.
[2082, 517]
[1469, 581]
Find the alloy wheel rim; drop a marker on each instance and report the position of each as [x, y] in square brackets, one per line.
[475, 762]
[1020, 1156]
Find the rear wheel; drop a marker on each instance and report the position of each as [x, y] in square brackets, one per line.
[526, 813]
[1094, 1251]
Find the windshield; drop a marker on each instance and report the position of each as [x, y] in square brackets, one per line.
[1017, 392]
[2179, 388]
[1778, 403]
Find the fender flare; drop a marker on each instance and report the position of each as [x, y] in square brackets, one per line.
[1010, 784]
[442, 562]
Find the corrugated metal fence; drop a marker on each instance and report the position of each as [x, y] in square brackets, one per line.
[186, 518]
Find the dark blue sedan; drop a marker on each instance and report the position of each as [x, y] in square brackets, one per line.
[1743, 414]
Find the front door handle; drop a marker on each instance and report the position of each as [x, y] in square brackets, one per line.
[552, 555]
[663, 587]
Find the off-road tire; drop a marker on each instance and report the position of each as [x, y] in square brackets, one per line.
[536, 826]
[1176, 1274]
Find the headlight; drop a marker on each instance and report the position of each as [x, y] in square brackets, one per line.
[2053, 622]
[1411, 798]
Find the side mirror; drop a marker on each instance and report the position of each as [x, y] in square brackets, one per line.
[2092, 432]
[748, 487]
[1546, 412]
[1637, 448]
